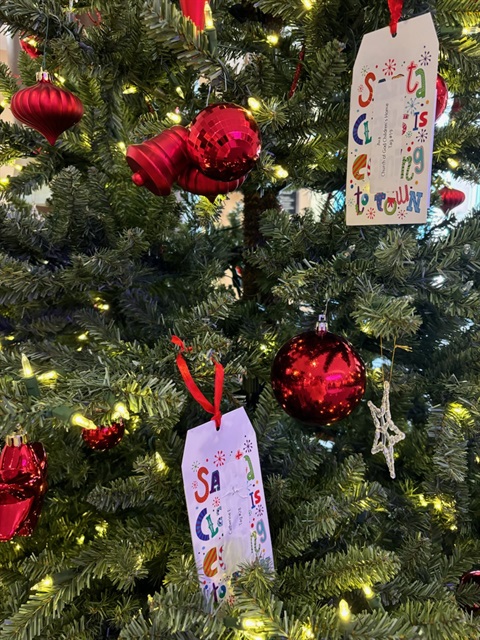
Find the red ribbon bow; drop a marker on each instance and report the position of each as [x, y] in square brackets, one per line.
[395, 7]
[192, 385]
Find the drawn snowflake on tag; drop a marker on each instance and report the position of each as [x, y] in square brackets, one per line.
[194, 484]
[238, 455]
[219, 459]
[216, 502]
[402, 214]
[371, 213]
[360, 88]
[364, 70]
[260, 510]
[412, 106]
[195, 466]
[425, 59]
[247, 447]
[422, 136]
[390, 67]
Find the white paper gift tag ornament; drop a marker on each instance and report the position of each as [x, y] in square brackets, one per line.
[224, 493]
[392, 123]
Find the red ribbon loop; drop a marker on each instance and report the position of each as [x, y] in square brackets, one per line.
[396, 8]
[191, 385]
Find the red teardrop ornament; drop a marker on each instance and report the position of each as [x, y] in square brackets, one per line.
[194, 181]
[48, 109]
[195, 10]
[224, 141]
[158, 162]
[30, 46]
[23, 483]
[441, 97]
[451, 198]
[103, 438]
[318, 377]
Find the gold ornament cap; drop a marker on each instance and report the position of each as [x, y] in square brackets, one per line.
[42, 76]
[16, 439]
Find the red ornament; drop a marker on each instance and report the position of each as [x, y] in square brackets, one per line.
[224, 141]
[457, 105]
[471, 576]
[23, 483]
[318, 378]
[195, 10]
[441, 97]
[194, 181]
[103, 438]
[47, 108]
[158, 162]
[30, 46]
[451, 198]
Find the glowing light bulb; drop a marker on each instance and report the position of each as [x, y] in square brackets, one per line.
[254, 104]
[160, 464]
[453, 163]
[174, 117]
[130, 88]
[470, 31]
[437, 504]
[120, 411]
[18, 167]
[368, 591]
[344, 610]
[3, 104]
[26, 367]
[4, 182]
[60, 79]
[179, 90]
[46, 583]
[307, 633]
[251, 623]
[122, 146]
[48, 376]
[101, 529]
[308, 4]
[79, 420]
[273, 39]
[279, 172]
[209, 23]
[82, 337]
[80, 540]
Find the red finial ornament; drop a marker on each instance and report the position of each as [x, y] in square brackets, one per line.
[30, 46]
[451, 198]
[195, 10]
[441, 98]
[103, 438]
[48, 109]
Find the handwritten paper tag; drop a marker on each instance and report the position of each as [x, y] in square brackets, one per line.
[225, 500]
[392, 123]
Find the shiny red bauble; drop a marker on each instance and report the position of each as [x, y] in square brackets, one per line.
[318, 378]
[103, 438]
[48, 109]
[224, 141]
[195, 181]
[471, 576]
[158, 162]
[451, 198]
[441, 97]
[23, 483]
[195, 10]
[30, 46]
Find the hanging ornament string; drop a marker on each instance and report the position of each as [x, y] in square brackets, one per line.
[191, 385]
[298, 71]
[395, 7]
[44, 59]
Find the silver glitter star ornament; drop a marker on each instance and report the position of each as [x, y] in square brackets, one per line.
[387, 434]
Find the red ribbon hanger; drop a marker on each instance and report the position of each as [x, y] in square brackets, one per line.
[191, 385]
[395, 7]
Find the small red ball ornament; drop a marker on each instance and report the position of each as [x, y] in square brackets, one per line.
[194, 181]
[471, 576]
[103, 438]
[317, 377]
[158, 162]
[23, 483]
[48, 109]
[441, 97]
[195, 10]
[224, 141]
[30, 46]
[451, 198]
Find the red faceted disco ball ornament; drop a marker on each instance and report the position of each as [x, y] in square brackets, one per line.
[158, 162]
[318, 378]
[224, 141]
[195, 181]
[451, 198]
[471, 576]
[441, 97]
[48, 109]
[30, 46]
[103, 438]
[23, 484]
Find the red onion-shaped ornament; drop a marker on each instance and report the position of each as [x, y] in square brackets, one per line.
[48, 109]
[23, 483]
[30, 46]
[195, 10]
[224, 141]
[451, 198]
[318, 377]
[194, 181]
[441, 97]
[103, 438]
[158, 162]
[471, 576]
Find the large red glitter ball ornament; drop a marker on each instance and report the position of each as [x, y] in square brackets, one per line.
[441, 97]
[103, 438]
[194, 181]
[23, 483]
[195, 10]
[158, 162]
[451, 198]
[48, 109]
[224, 141]
[30, 46]
[471, 576]
[318, 378]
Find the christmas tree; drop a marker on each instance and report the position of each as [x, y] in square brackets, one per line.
[94, 286]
